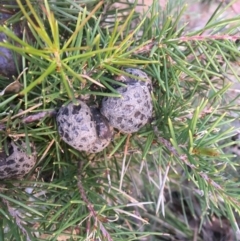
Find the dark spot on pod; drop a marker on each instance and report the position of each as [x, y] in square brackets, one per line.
[142, 117]
[76, 109]
[13, 172]
[67, 137]
[132, 81]
[234, 138]
[128, 108]
[130, 121]
[65, 111]
[145, 91]
[147, 104]
[7, 169]
[136, 115]
[75, 128]
[83, 140]
[10, 162]
[76, 133]
[119, 119]
[78, 118]
[61, 132]
[21, 160]
[124, 90]
[149, 86]
[26, 165]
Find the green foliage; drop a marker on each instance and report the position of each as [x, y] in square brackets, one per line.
[127, 191]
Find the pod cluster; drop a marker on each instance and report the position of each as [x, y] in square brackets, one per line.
[88, 129]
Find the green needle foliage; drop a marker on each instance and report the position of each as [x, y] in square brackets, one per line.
[165, 182]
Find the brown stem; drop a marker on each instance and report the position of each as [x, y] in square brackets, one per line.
[18, 220]
[89, 204]
[38, 116]
[184, 158]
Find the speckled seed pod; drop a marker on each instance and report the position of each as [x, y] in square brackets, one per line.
[17, 163]
[83, 128]
[134, 109]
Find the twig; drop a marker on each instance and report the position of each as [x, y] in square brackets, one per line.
[18, 220]
[147, 47]
[31, 118]
[184, 158]
[90, 205]
[38, 116]
[210, 37]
